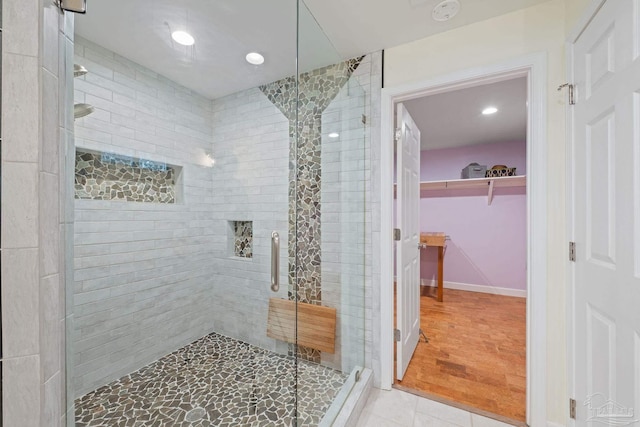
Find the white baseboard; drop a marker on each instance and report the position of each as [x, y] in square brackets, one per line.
[552, 424]
[520, 293]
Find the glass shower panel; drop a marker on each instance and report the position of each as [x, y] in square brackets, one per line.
[185, 167]
[332, 159]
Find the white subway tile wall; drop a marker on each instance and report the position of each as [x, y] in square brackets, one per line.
[143, 271]
[250, 183]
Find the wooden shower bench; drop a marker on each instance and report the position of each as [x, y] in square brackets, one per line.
[316, 324]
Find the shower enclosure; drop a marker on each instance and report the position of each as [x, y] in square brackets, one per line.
[221, 217]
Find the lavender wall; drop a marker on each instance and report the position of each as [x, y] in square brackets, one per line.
[488, 244]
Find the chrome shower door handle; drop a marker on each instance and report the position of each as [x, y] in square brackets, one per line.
[275, 261]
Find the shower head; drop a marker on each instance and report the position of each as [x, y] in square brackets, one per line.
[79, 70]
[81, 110]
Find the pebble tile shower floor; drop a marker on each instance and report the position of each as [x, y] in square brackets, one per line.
[214, 381]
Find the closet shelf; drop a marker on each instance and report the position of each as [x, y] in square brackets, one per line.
[464, 184]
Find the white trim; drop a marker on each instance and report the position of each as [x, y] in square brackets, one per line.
[386, 240]
[588, 14]
[484, 289]
[534, 66]
[552, 424]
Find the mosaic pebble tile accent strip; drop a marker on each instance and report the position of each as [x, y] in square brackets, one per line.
[243, 239]
[105, 176]
[316, 90]
[215, 381]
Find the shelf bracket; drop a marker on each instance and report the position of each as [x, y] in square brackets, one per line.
[490, 195]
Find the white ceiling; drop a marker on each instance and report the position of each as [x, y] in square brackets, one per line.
[226, 30]
[361, 26]
[454, 119]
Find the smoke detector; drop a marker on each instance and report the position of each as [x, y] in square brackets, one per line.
[445, 10]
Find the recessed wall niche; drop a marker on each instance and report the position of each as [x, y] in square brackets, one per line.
[110, 176]
[242, 238]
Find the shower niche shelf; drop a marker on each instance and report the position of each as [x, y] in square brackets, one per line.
[241, 238]
[111, 176]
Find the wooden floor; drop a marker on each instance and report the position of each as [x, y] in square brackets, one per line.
[476, 353]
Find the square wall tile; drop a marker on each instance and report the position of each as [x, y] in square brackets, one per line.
[50, 138]
[21, 391]
[19, 205]
[51, 413]
[20, 302]
[20, 119]
[50, 339]
[49, 224]
[50, 39]
[20, 31]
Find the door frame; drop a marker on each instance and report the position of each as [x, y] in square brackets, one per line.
[534, 67]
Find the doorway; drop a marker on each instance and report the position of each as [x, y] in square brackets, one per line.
[471, 261]
[531, 69]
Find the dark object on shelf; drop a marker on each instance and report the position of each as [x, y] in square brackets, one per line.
[500, 170]
[473, 170]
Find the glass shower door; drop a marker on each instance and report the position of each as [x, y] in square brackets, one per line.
[330, 179]
[220, 216]
[182, 175]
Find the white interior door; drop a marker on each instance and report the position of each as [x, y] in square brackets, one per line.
[408, 252]
[606, 184]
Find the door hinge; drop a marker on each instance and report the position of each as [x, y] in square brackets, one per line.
[396, 334]
[364, 119]
[572, 251]
[396, 234]
[572, 409]
[571, 88]
[397, 135]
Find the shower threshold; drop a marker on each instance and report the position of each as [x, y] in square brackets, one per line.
[214, 381]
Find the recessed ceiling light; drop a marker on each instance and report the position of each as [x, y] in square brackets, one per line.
[334, 135]
[183, 38]
[255, 58]
[489, 110]
[445, 10]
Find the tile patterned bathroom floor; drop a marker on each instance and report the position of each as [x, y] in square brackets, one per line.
[397, 408]
[215, 381]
